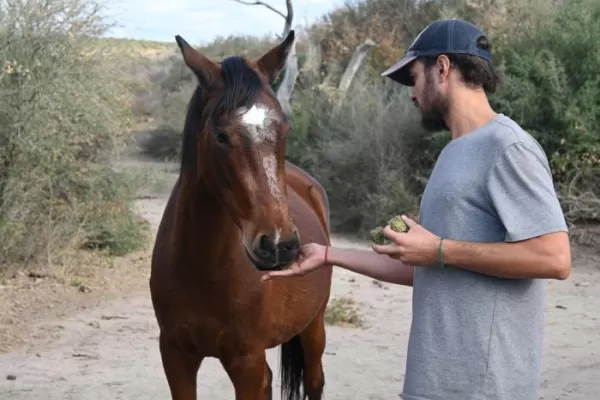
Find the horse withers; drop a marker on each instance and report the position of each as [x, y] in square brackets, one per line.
[238, 208]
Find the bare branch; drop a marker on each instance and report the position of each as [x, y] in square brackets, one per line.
[355, 63]
[286, 87]
[289, 19]
[262, 3]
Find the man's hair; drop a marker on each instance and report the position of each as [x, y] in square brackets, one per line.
[475, 71]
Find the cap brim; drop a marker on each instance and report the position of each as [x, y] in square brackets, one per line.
[400, 72]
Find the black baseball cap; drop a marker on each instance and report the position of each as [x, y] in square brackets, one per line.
[441, 37]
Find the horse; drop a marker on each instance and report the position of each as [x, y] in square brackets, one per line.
[237, 209]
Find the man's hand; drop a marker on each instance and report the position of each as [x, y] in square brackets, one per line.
[310, 257]
[416, 247]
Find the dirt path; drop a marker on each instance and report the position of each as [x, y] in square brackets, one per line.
[108, 350]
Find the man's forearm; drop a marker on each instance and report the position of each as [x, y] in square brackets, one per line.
[521, 260]
[373, 265]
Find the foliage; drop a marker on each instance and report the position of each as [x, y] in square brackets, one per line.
[63, 116]
[366, 146]
[553, 87]
[344, 311]
[346, 143]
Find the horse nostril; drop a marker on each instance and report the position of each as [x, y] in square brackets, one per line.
[290, 245]
[284, 251]
[267, 243]
[266, 246]
[288, 249]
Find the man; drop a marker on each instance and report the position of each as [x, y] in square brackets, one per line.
[491, 230]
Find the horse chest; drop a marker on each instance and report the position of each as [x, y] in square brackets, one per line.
[212, 334]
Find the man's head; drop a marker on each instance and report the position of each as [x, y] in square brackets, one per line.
[447, 58]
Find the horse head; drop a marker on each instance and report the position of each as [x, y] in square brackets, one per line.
[234, 145]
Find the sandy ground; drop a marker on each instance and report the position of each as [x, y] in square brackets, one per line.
[100, 341]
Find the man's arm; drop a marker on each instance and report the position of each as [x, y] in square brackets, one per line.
[545, 257]
[373, 265]
[521, 191]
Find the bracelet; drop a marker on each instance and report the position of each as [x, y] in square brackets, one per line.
[441, 250]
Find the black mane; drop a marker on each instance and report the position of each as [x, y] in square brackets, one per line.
[242, 86]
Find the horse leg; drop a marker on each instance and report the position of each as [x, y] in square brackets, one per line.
[250, 375]
[267, 382]
[313, 347]
[181, 370]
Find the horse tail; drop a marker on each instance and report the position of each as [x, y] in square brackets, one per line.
[292, 368]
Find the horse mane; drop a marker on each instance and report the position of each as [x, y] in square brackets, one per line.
[241, 88]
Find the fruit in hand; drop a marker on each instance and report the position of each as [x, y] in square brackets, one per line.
[397, 225]
[377, 236]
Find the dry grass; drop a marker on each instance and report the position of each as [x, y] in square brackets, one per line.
[343, 311]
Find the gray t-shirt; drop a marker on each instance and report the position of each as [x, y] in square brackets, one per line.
[473, 336]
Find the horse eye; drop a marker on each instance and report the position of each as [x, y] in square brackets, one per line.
[221, 137]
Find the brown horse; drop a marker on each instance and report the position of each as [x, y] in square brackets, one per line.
[239, 208]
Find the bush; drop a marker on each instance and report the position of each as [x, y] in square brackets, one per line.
[63, 116]
[359, 147]
[392, 24]
[552, 89]
[368, 149]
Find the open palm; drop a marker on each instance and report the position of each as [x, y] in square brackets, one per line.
[310, 257]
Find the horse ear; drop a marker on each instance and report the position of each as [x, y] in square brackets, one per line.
[273, 61]
[202, 66]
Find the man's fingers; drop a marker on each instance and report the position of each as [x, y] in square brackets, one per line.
[284, 273]
[385, 248]
[409, 222]
[391, 234]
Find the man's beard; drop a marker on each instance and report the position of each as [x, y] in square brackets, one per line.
[432, 116]
[432, 120]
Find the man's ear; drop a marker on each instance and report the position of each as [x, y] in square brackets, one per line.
[443, 67]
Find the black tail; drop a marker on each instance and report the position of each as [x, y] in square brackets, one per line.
[292, 368]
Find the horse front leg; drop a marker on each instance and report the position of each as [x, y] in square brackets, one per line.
[181, 369]
[250, 375]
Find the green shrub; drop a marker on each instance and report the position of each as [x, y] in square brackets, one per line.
[64, 115]
[368, 149]
[552, 88]
[358, 146]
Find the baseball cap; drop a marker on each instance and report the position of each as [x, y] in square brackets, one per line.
[441, 37]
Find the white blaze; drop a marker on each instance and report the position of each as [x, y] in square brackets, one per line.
[277, 236]
[257, 120]
[270, 166]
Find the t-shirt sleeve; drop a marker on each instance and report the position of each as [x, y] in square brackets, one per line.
[521, 189]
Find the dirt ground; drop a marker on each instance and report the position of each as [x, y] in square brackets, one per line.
[89, 333]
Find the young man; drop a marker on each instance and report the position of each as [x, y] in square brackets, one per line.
[491, 230]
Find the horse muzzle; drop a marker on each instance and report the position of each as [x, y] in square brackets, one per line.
[268, 254]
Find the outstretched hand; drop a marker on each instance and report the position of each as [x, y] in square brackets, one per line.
[310, 257]
[416, 247]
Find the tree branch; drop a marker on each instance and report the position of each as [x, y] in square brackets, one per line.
[286, 87]
[262, 3]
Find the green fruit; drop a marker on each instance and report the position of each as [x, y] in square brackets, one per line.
[395, 223]
[377, 236]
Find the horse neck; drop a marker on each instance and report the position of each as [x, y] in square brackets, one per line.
[206, 236]
[209, 242]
